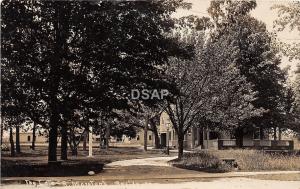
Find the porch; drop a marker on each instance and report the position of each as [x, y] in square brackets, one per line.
[249, 144]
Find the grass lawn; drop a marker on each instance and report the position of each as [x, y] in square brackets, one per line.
[281, 177]
[254, 160]
[247, 160]
[35, 162]
[106, 156]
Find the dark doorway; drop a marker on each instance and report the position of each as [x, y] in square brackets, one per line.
[163, 139]
[214, 135]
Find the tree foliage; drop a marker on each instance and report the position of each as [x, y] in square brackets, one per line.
[289, 18]
[257, 60]
[61, 57]
[211, 89]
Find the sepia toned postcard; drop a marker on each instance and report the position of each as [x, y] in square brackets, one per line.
[133, 94]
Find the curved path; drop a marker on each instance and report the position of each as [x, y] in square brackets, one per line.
[155, 161]
[163, 162]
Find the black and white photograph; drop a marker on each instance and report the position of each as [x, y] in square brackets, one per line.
[154, 94]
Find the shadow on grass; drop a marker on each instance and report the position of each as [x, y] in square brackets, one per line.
[67, 168]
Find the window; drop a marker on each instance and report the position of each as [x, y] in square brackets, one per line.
[138, 137]
[28, 138]
[150, 138]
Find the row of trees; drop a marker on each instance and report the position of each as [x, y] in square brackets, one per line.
[69, 60]
[70, 65]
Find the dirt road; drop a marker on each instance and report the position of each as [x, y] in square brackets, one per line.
[155, 172]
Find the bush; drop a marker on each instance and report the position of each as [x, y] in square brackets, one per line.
[202, 161]
[4, 147]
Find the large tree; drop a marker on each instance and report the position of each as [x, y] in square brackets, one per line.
[297, 100]
[289, 19]
[256, 59]
[211, 88]
[67, 56]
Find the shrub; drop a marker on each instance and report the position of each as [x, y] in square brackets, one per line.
[201, 161]
[4, 147]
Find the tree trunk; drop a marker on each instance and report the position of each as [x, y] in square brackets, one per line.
[203, 137]
[18, 148]
[146, 134]
[107, 136]
[84, 140]
[1, 135]
[275, 133]
[261, 133]
[180, 145]
[64, 143]
[12, 145]
[33, 136]
[52, 154]
[207, 138]
[157, 141]
[155, 132]
[100, 141]
[72, 145]
[198, 137]
[279, 133]
[60, 27]
[74, 151]
[239, 134]
[193, 137]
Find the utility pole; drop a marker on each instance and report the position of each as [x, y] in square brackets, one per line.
[168, 148]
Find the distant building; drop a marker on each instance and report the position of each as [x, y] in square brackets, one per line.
[207, 139]
[26, 138]
[199, 137]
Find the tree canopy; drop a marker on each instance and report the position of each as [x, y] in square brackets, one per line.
[68, 56]
[256, 58]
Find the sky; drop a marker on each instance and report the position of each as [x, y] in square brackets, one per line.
[262, 12]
